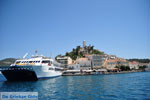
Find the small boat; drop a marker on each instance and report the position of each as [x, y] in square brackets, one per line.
[32, 69]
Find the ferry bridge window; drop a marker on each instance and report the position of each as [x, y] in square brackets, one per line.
[38, 61]
[18, 62]
[45, 61]
[57, 69]
[51, 69]
[30, 61]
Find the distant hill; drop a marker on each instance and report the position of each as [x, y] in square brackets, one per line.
[7, 61]
[140, 60]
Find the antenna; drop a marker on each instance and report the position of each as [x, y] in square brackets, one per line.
[51, 55]
[25, 55]
[36, 52]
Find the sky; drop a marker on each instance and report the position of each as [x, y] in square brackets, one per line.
[118, 27]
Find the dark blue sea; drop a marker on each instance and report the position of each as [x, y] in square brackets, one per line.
[130, 86]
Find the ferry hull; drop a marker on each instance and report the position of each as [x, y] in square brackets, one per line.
[42, 72]
[20, 75]
[28, 73]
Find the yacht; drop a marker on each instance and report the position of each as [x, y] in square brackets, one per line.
[34, 68]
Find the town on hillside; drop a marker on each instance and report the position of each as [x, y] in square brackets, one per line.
[87, 58]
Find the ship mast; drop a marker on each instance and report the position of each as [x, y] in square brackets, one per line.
[36, 52]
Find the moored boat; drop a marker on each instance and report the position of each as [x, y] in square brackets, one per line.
[34, 68]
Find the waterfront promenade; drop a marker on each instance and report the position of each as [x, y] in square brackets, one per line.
[91, 72]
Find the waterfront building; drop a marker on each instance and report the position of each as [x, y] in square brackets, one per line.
[147, 67]
[144, 64]
[84, 63]
[64, 60]
[97, 61]
[122, 61]
[74, 66]
[134, 65]
[112, 63]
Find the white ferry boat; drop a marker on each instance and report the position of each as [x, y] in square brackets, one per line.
[37, 67]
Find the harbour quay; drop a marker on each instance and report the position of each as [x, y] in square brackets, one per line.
[95, 72]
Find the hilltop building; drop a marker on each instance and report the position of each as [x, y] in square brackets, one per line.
[84, 44]
[85, 49]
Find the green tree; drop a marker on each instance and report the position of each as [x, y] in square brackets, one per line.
[142, 67]
[124, 68]
[58, 56]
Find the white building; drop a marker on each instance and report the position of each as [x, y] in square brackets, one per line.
[64, 60]
[134, 65]
[74, 66]
[84, 63]
[97, 61]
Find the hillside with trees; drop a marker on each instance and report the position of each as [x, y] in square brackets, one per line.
[140, 60]
[82, 51]
[7, 61]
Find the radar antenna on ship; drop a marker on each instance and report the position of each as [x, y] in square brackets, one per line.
[36, 52]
